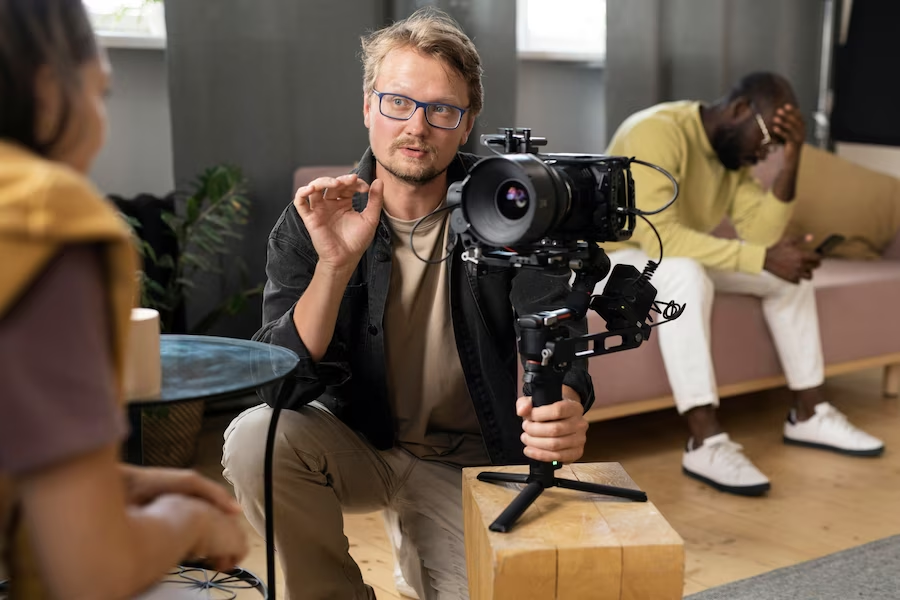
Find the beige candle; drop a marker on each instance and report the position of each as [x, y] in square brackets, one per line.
[143, 372]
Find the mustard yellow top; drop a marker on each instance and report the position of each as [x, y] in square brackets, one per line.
[45, 206]
[671, 135]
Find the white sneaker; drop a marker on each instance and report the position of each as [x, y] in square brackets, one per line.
[829, 429]
[721, 463]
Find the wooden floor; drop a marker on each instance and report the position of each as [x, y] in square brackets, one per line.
[820, 502]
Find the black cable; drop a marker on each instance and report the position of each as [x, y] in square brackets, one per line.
[285, 392]
[668, 176]
[670, 311]
[412, 233]
[658, 238]
[651, 265]
[268, 501]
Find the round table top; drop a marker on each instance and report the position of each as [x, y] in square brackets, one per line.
[201, 367]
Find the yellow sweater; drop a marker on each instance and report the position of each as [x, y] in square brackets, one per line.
[671, 135]
[43, 207]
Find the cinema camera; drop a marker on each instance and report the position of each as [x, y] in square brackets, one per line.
[522, 209]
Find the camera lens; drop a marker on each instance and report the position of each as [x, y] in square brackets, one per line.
[512, 200]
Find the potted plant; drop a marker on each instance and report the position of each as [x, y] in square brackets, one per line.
[205, 223]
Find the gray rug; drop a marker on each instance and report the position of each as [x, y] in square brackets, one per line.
[870, 572]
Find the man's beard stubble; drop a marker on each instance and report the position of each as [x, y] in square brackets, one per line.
[727, 144]
[420, 176]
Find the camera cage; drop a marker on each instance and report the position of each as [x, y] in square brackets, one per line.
[520, 146]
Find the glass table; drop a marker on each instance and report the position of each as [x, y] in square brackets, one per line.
[199, 367]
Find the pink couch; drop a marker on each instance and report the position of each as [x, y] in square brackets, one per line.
[854, 297]
[858, 329]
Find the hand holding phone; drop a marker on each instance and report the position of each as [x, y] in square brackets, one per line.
[829, 244]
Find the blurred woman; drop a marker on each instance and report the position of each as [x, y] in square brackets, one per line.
[74, 522]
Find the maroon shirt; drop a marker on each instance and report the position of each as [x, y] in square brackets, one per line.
[57, 382]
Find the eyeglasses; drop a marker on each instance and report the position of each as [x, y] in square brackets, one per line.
[402, 108]
[766, 146]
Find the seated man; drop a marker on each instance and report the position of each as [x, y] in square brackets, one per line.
[708, 149]
[408, 369]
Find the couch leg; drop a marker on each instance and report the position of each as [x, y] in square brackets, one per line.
[892, 380]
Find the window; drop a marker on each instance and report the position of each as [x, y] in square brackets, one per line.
[127, 18]
[561, 30]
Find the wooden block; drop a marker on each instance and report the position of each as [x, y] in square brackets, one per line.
[569, 544]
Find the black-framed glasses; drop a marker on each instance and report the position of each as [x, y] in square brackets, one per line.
[402, 108]
[768, 143]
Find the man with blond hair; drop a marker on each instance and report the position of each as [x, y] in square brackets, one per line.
[408, 368]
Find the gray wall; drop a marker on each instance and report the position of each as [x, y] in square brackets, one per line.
[660, 50]
[563, 102]
[137, 157]
[268, 85]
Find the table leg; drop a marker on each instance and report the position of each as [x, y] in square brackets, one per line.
[134, 446]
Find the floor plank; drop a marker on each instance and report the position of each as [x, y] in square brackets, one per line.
[820, 502]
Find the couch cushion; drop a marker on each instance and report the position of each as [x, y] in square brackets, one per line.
[892, 252]
[856, 301]
[847, 292]
[304, 175]
[835, 195]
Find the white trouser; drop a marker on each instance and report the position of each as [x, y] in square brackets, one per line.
[789, 309]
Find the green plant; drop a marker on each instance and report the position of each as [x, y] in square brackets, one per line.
[207, 223]
[135, 9]
[144, 250]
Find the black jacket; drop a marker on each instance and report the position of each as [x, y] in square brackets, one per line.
[351, 378]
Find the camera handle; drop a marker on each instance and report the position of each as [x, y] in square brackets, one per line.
[548, 353]
[513, 142]
[545, 373]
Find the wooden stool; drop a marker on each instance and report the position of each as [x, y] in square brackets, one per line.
[569, 544]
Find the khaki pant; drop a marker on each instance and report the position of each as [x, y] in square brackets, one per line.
[321, 468]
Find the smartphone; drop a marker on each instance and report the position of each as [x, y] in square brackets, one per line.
[829, 244]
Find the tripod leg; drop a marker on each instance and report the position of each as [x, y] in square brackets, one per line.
[519, 505]
[607, 490]
[502, 477]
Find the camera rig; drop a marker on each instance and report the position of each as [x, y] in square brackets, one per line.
[526, 210]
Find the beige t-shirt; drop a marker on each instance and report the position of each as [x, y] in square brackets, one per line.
[434, 415]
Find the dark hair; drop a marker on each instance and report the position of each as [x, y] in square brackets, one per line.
[35, 33]
[763, 89]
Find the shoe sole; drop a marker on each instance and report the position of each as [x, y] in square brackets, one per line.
[864, 453]
[746, 490]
